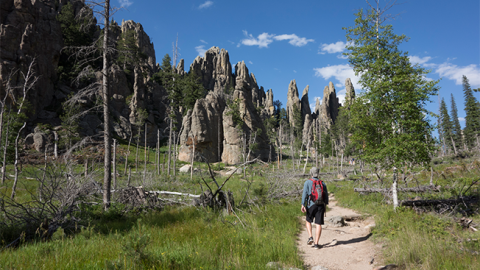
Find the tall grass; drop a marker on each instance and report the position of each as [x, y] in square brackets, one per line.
[177, 238]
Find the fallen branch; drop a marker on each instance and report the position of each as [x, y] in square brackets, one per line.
[441, 201]
[387, 190]
[173, 193]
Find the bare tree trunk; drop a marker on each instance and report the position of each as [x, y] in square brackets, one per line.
[86, 164]
[136, 152]
[394, 189]
[306, 160]
[170, 146]
[145, 158]
[4, 165]
[431, 175]
[158, 152]
[454, 148]
[14, 187]
[193, 157]
[127, 153]
[55, 147]
[106, 112]
[175, 154]
[114, 164]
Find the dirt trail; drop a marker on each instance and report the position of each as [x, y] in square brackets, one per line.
[346, 247]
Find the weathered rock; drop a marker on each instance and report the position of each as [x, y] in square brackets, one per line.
[203, 125]
[350, 96]
[215, 70]
[305, 104]
[138, 98]
[330, 106]
[337, 221]
[307, 129]
[269, 102]
[317, 108]
[180, 69]
[28, 30]
[185, 168]
[292, 100]
[143, 41]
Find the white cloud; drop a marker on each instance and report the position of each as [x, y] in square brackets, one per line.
[341, 56]
[336, 47]
[203, 41]
[125, 3]
[294, 39]
[339, 85]
[294, 71]
[461, 119]
[264, 39]
[341, 95]
[250, 62]
[454, 72]
[340, 73]
[201, 50]
[261, 41]
[205, 5]
[419, 60]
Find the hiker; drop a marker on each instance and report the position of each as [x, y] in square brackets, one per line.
[314, 210]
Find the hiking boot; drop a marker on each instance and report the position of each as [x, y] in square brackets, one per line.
[310, 241]
[317, 246]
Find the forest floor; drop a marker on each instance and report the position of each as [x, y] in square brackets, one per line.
[346, 247]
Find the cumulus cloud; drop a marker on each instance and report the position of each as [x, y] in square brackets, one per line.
[201, 50]
[419, 60]
[264, 39]
[461, 119]
[336, 47]
[341, 95]
[125, 3]
[454, 72]
[339, 73]
[294, 40]
[205, 5]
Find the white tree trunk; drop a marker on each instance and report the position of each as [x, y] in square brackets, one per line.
[394, 189]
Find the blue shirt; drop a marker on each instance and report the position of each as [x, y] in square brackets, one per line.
[307, 190]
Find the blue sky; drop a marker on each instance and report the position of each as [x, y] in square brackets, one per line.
[303, 40]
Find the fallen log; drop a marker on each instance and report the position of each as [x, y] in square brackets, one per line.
[173, 193]
[387, 190]
[440, 201]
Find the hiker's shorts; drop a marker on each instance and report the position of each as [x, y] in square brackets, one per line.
[317, 212]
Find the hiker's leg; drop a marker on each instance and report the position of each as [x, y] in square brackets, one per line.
[318, 232]
[309, 228]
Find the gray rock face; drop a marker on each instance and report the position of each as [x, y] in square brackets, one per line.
[337, 221]
[305, 104]
[350, 96]
[215, 70]
[269, 102]
[233, 142]
[307, 128]
[330, 106]
[317, 107]
[28, 29]
[180, 69]
[292, 99]
[203, 125]
[143, 41]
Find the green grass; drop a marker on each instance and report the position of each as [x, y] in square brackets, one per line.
[177, 238]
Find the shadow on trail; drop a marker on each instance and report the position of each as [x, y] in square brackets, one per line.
[351, 241]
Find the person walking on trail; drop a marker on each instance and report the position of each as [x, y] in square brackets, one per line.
[314, 201]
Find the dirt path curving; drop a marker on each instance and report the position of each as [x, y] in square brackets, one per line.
[346, 247]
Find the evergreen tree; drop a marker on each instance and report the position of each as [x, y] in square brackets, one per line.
[445, 129]
[297, 121]
[129, 54]
[192, 89]
[457, 130]
[472, 118]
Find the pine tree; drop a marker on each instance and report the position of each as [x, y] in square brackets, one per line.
[457, 130]
[472, 118]
[446, 126]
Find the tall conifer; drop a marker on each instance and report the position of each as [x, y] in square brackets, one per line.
[472, 118]
[457, 130]
[446, 126]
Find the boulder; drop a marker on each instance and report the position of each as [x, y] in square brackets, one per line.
[337, 221]
[185, 168]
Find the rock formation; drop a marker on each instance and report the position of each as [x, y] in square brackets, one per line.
[269, 102]
[305, 105]
[143, 41]
[330, 106]
[317, 108]
[292, 100]
[350, 96]
[30, 30]
[215, 70]
[204, 126]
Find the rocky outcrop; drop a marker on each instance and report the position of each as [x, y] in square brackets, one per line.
[307, 133]
[180, 69]
[292, 100]
[269, 102]
[304, 103]
[253, 129]
[317, 108]
[203, 126]
[330, 106]
[143, 41]
[350, 95]
[30, 30]
[215, 70]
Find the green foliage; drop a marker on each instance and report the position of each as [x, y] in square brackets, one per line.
[234, 106]
[389, 122]
[457, 130]
[472, 118]
[297, 121]
[129, 54]
[192, 89]
[445, 129]
[166, 64]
